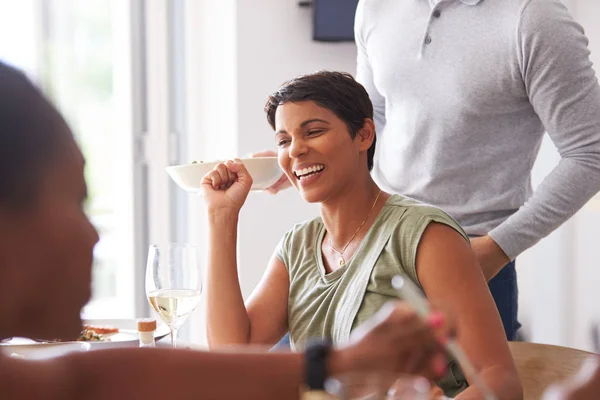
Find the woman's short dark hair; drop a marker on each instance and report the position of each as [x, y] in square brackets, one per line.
[30, 131]
[335, 91]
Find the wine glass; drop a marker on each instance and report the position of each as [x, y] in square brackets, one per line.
[173, 283]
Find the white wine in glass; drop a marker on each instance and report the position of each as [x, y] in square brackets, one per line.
[174, 305]
[173, 283]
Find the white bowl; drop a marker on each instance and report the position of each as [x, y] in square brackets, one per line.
[264, 171]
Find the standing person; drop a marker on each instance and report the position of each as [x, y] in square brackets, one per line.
[463, 91]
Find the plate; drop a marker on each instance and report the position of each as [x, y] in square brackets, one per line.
[25, 348]
[126, 337]
[264, 171]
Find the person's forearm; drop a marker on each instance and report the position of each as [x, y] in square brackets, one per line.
[569, 186]
[184, 374]
[148, 374]
[227, 318]
[505, 386]
[164, 374]
[553, 54]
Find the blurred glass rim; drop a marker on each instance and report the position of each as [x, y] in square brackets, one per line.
[368, 384]
[173, 250]
[172, 245]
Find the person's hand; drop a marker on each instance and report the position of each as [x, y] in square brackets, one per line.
[283, 182]
[435, 393]
[226, 187]
[585, 385]
[490, 256]
[396, 340]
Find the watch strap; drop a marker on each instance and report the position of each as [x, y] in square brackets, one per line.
[315, 370]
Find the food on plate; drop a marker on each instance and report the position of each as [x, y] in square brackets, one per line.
[87, 335]
[92, 333]
[102, 330]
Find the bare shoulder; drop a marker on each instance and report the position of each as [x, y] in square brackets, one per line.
[445, 258]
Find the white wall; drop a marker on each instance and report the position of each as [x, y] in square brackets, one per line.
[587, 12]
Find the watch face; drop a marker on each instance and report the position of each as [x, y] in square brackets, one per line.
[315, 355]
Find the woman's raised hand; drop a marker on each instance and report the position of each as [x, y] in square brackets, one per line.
[226, 187]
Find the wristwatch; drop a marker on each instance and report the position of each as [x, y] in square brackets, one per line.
[316, 353]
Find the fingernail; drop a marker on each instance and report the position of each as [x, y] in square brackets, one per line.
[436, 320]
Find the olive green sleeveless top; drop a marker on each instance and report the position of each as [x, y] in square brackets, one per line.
[322, 305]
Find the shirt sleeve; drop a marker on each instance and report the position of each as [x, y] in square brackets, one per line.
[364, 72]
[562, 87]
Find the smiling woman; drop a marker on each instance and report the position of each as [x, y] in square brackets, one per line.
[332, 273]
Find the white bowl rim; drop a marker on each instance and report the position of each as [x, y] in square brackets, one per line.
[244, 160]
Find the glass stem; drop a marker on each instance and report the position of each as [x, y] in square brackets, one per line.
[174, 337]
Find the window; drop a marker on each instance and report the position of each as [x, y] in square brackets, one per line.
[79, 53]
[115, 69]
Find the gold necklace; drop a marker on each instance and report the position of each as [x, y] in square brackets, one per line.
[342, 261]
